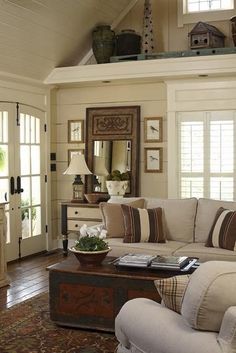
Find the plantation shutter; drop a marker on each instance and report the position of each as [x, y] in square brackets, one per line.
[206, 152]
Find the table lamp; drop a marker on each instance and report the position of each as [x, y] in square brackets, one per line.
[77, 167]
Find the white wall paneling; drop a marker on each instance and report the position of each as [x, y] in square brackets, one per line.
[72, 103]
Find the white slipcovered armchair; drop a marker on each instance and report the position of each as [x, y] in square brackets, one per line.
[207, 323]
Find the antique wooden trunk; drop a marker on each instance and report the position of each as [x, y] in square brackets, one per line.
[92, 297]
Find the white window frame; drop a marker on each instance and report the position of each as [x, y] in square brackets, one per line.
[194, 17]
[204, 117]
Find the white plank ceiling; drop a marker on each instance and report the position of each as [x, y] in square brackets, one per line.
[38, 35]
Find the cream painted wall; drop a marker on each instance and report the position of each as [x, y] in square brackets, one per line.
[23, 92]
[167, 35]
[72, 103]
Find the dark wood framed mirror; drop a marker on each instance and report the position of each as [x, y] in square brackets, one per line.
[112, 142]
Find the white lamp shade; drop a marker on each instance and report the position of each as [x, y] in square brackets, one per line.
[99, 166]
[77, 166]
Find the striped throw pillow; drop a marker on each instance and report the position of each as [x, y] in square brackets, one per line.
[143, 225]
[172, 291]
[223, 231]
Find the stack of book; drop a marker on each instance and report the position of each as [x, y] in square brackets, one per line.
[135, 260]
[178, 263]
[160, 262]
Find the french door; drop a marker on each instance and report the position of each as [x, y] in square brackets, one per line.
[22, 178]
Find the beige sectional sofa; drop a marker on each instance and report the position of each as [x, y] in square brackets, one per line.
[206, 324]
[186, 223]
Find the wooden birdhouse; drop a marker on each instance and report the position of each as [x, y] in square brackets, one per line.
[204, 35]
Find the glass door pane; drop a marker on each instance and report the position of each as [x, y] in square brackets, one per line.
[22, 179]
[4, 169]
[30, 175]
[4, 165]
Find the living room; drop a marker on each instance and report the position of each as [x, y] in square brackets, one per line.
[60, 80]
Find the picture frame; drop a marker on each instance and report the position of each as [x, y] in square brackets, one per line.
[75, 131]
[112, 125]
[153, 157]
[153, 129]
[73, 151]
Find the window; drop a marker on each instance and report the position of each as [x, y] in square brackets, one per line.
[207, 5]
[206, 150]
[193, 11]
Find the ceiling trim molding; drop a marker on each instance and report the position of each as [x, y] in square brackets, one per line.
[21, 79]
[114, 24]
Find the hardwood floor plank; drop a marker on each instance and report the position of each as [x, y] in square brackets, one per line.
[28, 277]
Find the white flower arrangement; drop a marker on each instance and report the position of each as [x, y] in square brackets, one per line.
[91, 239]
[92, 232]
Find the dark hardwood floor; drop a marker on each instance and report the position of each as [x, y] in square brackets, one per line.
[28, 277]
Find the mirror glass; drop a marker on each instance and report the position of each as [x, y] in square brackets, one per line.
[112, 143]
[108, 156]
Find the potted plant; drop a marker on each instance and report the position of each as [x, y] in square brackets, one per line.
[91, 248]
[117, 183]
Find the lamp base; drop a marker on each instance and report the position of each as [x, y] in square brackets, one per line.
[78, 189]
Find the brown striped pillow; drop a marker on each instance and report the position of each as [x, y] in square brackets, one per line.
[172, 291]
[223, 231]
[143, 225]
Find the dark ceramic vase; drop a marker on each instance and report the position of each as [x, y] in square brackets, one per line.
[103, 43]
[233, 23]
[128, 42]
[90, 258]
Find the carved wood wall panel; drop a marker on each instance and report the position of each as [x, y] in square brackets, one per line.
[112, 124]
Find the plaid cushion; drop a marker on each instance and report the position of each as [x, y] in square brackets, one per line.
[143, 225]
[172, 291]
[223, 231]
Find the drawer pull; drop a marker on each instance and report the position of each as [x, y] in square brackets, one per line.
[76, 225]
[76, 212]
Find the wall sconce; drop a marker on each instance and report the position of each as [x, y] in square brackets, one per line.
[77, 167]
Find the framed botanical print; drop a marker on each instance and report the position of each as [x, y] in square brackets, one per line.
[72, 152]
[152, 129]
[153, 160]
[75, 131]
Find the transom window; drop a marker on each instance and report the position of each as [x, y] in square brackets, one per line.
[208, 5]
[193, 11]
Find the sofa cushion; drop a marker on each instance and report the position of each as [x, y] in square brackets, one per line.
[143, 325]
[172, 290]
[206, 211]
[113, 218]
[204, 254]
[178, 217]
[223, 231]
[142, 225]
[210, 292]
[119, 248]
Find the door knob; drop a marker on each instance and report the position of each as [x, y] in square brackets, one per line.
[18, 184]
[12, 185]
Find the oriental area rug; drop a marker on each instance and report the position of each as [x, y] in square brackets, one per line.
[27, 328]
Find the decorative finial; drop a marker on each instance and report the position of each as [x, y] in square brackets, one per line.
[147, 38]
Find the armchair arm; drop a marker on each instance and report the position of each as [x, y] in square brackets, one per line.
[227, 334]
